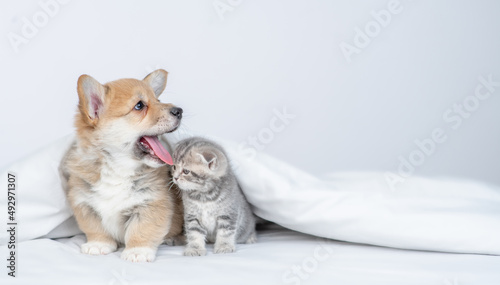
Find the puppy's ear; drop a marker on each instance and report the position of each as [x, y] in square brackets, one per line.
[210, 159]
[91, 94]
[157, 80]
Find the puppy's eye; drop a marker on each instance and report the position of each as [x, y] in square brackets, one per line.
[185, 171]
[139, 106]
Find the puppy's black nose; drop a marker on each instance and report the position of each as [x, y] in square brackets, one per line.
[177, 112]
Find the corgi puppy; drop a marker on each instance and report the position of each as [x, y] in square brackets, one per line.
[116, 172]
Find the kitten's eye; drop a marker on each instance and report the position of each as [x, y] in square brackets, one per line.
[185, 171]
[139, 106]
[173, 167]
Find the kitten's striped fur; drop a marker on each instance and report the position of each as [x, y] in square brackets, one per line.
[215, 209]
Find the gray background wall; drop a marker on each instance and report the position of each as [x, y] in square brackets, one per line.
[363, 81]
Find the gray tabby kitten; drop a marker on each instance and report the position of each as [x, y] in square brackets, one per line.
[215, 209]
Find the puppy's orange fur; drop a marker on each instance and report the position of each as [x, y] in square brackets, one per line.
[118, 191]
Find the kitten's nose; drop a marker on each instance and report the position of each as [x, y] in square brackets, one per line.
[177, 112]
[176, 178]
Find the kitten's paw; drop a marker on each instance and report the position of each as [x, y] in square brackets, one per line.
[139, 254]
[195, 251]
[224, 248]
[98, 248]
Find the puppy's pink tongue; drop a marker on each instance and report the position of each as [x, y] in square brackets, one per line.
[159, 150]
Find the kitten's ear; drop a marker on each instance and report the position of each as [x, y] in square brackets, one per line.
[210, 159]
[91, 94]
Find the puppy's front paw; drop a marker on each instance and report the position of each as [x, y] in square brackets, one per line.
[139, 254]
[98, 247]
[224, 248]
[195, 251]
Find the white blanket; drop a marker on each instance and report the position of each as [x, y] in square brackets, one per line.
[423, 214]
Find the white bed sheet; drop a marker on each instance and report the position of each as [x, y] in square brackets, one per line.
[270, 261]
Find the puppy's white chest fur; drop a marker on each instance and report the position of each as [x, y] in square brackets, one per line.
[110, 202]
[113, 197]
